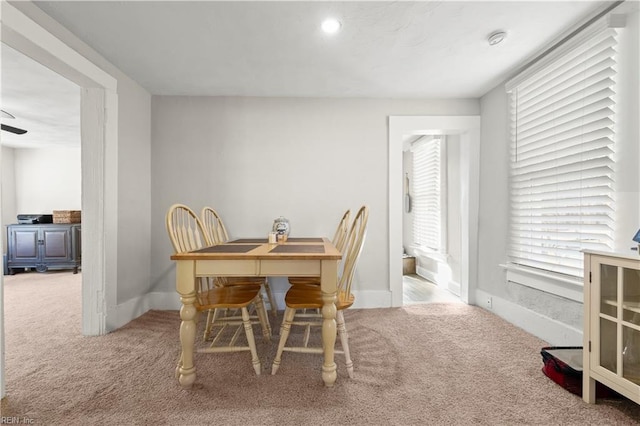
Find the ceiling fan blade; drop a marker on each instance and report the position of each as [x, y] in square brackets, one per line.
[5, 114]
[13, 129]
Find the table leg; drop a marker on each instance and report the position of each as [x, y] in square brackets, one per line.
[328, 281]
[329, 374]
[187, 340]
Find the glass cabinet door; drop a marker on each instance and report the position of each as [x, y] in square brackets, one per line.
[631, 324]
[608, 317]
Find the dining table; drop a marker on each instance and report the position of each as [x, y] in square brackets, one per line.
[299, 257]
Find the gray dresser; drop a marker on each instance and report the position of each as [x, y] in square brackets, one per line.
[44, 247]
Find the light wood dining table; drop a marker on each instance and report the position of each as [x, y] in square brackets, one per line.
[299, 257]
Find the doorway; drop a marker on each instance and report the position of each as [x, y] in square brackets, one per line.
[431, 217]
[467, 128]
[98, 159]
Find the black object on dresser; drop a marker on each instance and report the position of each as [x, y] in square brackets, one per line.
[44, 247]
[35, 218]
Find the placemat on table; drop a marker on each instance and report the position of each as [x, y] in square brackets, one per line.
[249, 240]
[293, 248]
[228, 248]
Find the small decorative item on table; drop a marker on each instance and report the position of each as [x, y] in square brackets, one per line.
[281, 226]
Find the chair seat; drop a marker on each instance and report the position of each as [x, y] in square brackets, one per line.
[233, 297]
[310, 297]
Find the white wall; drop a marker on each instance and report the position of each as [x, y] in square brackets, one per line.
[254, 159]
[36, 181]
[47, 179]
[134, 192]
[8, 201]
[551, 317]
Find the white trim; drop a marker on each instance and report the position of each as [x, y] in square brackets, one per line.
[110, 196]
[93, 236]
[123, 313]
[454, 288]
[449, 285]
[442, 261]
[27, 35]
[372, 299]
[468, 127]
[427, 274]
[551, 331]
[2, 357]
[427, 252]
[546, 281]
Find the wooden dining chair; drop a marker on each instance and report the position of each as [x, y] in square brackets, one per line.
[186, 233]
[339, 239]
[185, 214]
[301, 298]
[217, 232]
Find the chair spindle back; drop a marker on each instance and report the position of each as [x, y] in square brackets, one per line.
[340, 236]
[187, 234]
[353, 248]
[213, 225]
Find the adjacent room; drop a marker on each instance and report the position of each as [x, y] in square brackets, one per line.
[322, 212]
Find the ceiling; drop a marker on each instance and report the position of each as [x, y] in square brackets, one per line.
[43, 103]
[422, 49]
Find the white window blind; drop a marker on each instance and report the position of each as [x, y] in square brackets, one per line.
[426, 189]
[562, 158]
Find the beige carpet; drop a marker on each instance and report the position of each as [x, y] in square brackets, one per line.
[425, 364]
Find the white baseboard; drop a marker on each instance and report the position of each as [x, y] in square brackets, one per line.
[552, 331]
[133, 308]
[547, 329]
[426, 274]
[454, 288]
[372, 299]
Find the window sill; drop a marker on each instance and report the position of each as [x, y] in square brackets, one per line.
[548, 282]
[432, 254]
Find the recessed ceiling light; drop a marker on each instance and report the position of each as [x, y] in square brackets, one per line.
[331, 25]
[496, 37]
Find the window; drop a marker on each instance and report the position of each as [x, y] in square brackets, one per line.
[562, 156]
[428, 188]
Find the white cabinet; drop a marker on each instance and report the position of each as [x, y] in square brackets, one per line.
[611, 324]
